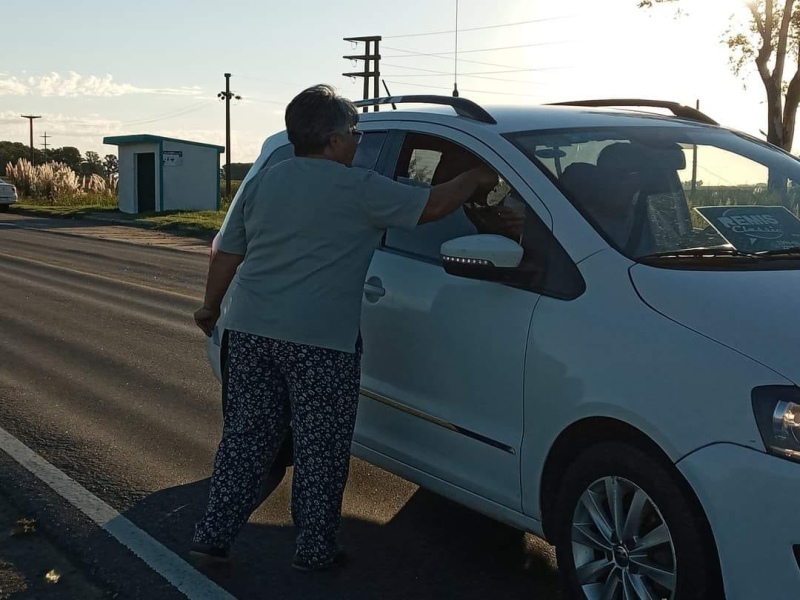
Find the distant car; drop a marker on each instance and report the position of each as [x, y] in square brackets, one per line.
[620, 376]
[8, 195]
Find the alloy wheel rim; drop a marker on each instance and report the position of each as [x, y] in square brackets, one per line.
[621, 544]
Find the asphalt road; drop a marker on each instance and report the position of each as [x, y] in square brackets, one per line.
[103, 373]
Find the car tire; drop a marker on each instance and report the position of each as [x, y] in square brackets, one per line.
[4, 208]
[658, 541]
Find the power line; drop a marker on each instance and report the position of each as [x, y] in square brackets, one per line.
[412, 35]
[432, 73]
[412, 54]
[262, 101]
[479, 75]
[415, 69]
[503, 79]
[170, 115]
[273, 81]
[441, 87]
[494, 49]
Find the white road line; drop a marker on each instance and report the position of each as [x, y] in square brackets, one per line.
[161, 559]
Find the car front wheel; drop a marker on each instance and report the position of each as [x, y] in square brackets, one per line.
[627, 530]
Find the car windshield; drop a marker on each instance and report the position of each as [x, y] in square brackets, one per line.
[672, 191]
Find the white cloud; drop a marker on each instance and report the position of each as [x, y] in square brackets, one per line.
[58, 124]
[74, 85]
[87, 133]
[245, 145]
[12, 87]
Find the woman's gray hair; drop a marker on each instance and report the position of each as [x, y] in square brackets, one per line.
[314, 115]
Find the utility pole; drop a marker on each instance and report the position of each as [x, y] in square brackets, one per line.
[371, 55]
[45, 136]
[227, 95]
[694, 161]
[30, 120]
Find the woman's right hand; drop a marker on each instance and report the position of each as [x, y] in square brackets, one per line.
[206, 319]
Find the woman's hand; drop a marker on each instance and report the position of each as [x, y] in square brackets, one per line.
[206, 319]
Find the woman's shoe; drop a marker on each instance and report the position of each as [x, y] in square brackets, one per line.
[205, 555]
[303, 564]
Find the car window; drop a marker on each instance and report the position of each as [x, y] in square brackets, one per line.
[366, 156]
[427, 161]
[369, 149]
[655, 190]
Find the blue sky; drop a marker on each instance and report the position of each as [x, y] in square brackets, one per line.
[106, 68]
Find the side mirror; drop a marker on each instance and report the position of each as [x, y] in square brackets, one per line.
[483, 256]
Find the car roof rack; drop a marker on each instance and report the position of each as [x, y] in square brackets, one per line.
[679, 110]
[462, 106]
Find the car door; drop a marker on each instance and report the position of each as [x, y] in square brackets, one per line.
[443, 367]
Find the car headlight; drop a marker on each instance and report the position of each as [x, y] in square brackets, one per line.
[777, 410]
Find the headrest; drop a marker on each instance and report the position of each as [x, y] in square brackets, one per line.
[639, 158]
[579, 179]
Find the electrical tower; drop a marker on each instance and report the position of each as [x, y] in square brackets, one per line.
[371, 57]
[227, 95]
[45, 144]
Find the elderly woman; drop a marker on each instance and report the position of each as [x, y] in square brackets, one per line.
[295, 250]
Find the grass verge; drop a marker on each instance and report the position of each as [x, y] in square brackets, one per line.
[64, 212]
[197, 222]
[203, 221]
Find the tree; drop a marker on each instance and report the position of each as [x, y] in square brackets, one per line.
[111, 165]
[771, 38]
[68, 155]
[92, 164]
[11, 152]
[238, 170]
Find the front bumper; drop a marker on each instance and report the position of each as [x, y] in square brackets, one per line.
[751, 500]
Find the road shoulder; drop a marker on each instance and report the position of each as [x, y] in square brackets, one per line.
[32, 566]
[110, 230]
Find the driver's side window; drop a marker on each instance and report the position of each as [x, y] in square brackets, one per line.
[429, 161]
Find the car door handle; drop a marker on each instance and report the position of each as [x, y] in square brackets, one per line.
[373, 289]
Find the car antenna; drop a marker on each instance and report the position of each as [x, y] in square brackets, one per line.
[455, 65]
[388, 93]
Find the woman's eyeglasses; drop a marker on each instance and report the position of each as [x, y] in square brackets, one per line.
[358, 135]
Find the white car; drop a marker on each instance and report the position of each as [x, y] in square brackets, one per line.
[619, 374]
[8, 195]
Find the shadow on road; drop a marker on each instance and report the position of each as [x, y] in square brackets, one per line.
[432, 548]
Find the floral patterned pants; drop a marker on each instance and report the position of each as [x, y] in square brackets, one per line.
[273, 385]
